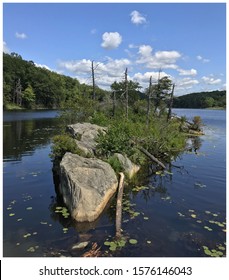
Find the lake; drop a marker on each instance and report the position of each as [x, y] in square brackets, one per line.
[174, 214]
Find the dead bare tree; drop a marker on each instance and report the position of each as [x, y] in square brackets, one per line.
[170, 103]
[126, 92]
[148, 101]
[93, 78]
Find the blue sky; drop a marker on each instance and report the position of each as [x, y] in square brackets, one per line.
[187, 41]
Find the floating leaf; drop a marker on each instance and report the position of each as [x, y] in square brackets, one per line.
[107, 243]
[193, 216]
[190, 210]
[9, 208]
[18, 244]
[170, 173]
[207, 252]
[211, 222]
[29, 208]
[43, 223]
[208, 228]
[148, 242]
[133, 241]
[215, 215]
[11, 214]
[35, 233]
[207, 212]
[180, 214]
[146, 218]
[31, 249]
[221, 248]
[199, 221]
[27, 235]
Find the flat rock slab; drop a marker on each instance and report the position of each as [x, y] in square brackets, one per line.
[86, 184]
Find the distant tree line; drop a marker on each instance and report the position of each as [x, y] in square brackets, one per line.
[29, 86]
[201, 100]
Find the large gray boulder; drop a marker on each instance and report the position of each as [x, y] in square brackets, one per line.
[86, 185]
[85, 135]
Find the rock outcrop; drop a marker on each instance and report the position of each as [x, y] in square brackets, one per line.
[128, 166]
[86, 185]
[85, 135]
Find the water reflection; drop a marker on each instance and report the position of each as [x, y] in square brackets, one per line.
[22, 138]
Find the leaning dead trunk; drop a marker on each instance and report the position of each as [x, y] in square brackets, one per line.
[119, 206]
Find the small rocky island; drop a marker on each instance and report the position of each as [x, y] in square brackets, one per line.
[86, 182]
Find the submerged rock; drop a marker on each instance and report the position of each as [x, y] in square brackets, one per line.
[80, 245]
[86, 185]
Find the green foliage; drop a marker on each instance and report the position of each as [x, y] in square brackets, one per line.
[28, 97]
[62, 144]
[124, 136]
[115, 164]
[197, 123]
[201, 100]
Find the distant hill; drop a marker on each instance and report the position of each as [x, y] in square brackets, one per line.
[201, 100]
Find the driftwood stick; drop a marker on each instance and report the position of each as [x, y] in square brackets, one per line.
[119, 206]
[153, 158]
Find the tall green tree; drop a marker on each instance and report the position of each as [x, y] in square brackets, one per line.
[28, 97]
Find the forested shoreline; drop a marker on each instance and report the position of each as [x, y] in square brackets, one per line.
[201, 100]
[27, 86]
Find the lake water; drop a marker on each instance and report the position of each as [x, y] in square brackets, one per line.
[175, 214]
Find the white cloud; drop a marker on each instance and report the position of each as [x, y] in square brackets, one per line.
[211, 81]
[105, 72]
[143, 79]
[77, 66]
[132, 46]
[160, 59]
[42, 66]
[191, 72]
[204, 60]
[137, 18]
[5, 48]
[188, 82]
[111, 40]
[20, 35]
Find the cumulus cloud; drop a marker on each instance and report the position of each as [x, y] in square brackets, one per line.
[137, 18]
[143, 78]
[204, 60]
[211, 80]
[5, 48]
[188, 82]
[160, 59]
[42, 66]
[191, 72]
[105, 72]
[111, 40]
[20, 35]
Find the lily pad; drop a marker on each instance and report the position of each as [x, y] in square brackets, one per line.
[207, 212]
[29, 208]
[193, 216]
[11, 214]
[133, 241]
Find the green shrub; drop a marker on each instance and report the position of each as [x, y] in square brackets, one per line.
[115, 164]
[62, 144]
[197, 123]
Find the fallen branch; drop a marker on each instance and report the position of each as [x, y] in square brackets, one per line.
[119, 206]
[153, 158]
